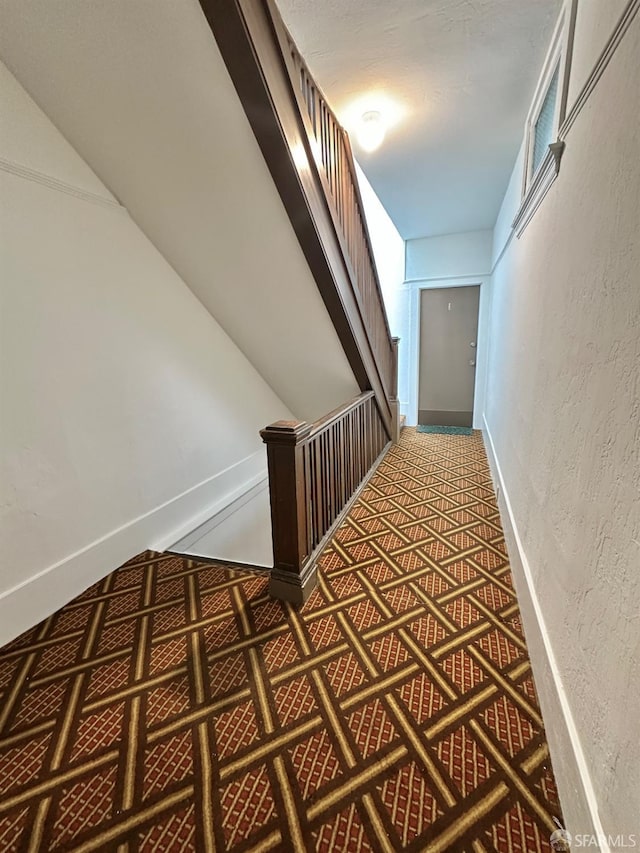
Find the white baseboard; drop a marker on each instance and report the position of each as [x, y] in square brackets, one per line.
[578, 798]
[42, 594]
[221, 491]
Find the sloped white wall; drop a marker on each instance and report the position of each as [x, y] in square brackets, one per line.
[389, 252]
[142, 93]
[126, 412]
[563, 422]
[388, 248]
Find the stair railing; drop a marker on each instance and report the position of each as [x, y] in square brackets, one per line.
[315, 472]
[334, 158]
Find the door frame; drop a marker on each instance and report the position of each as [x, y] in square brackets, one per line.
[482, 350]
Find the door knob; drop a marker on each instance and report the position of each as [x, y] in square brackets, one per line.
[472, 362]
[472, 344]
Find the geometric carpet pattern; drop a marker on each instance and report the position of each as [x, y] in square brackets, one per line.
[174, 706]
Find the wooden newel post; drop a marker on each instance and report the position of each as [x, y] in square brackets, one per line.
[293, 578]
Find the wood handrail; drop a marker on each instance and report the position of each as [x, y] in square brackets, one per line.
[319, 425]
[315, 471]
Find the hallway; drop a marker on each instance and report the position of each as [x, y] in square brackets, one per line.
[175, 706]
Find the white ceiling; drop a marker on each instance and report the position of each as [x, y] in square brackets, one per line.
[463, 74]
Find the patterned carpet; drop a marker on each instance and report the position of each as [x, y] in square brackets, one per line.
[173, 706]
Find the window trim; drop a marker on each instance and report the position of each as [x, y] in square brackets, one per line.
[535, 186]
[558, 57]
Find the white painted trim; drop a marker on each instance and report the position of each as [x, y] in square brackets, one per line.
[545, 176]
[40, 595]
[430, 278]
[606, 54]
[38, 177]
[558, 57]
[561, 699]
[535, 190]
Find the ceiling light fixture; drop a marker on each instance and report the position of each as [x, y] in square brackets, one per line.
[371, 130]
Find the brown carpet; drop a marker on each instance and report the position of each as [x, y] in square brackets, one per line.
[174, 706]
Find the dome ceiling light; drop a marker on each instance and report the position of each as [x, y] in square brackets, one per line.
[371, 130]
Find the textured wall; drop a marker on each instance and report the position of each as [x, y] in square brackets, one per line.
[595, 20]
[563, 410]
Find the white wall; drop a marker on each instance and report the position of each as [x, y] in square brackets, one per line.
[595, 21]
[502, 231]
[451, 260]
[449, 255]
[126, 412]
[142, 93]
[563, 427]
[389, 252]
[388, 248]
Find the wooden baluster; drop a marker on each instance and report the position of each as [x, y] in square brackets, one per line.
[334, 163]
[314, 111]
[329, 153]
[293, 577]
[351, 455]
[317, 494]
[340, 182]
[324, 136]
[354, 447]
[311, 487]
[339, 466]
[326, 452]
[306, 473]
[332, 473]
[322, 521]
[341, 470]
[326, 493]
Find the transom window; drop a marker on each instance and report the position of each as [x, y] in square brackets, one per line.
[548, 107]
[544, 129]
